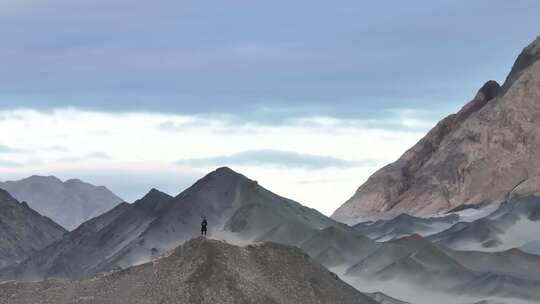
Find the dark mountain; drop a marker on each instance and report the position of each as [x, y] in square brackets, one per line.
[96, 244]
[68, 203]
[336, 246]
[201, 271]
[512, 225]
[413, 259]
[467, 236]
[414, 262]
[23, 231]
[513, 262]
[481, 154]
[405, 225]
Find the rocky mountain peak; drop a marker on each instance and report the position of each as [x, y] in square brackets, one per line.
[225, 173]
[490, 90]
[223, 180]
[154, 200]
[528, 57]
[479, 155]
[155, 194]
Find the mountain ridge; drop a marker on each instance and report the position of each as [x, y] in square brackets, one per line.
[478, 155]
[69, 203]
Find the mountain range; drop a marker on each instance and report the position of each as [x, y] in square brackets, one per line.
[235, 207]
[242, 212]
[482, 154]
[68, 203]
[512, 225]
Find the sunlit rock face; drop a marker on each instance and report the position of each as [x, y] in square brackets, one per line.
[485, 153]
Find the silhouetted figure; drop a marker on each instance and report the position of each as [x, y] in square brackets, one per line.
[204, 223]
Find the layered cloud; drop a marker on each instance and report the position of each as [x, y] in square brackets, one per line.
[299, 158]
[263, 61]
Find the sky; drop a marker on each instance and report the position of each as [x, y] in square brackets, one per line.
[309, 98]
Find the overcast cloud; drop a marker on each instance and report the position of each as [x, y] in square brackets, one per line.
[262, 60]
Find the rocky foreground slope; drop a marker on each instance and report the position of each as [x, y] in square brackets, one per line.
[201, 271]
[68, 203]
[482, 154]
[23, 231]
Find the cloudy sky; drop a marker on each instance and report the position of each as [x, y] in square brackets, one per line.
[307, 97]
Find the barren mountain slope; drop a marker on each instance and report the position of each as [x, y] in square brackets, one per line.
[91, 247]
[481, 154]
[201, 271]
[23, 230]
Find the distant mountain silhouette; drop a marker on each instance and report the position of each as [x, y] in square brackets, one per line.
[68, 203]
[514, 224]
[405, 225]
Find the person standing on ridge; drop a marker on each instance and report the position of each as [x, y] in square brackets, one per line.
[204, 223]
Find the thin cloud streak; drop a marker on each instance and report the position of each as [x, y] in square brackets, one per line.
[269, 157]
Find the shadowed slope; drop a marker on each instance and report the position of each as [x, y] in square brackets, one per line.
[23, 231]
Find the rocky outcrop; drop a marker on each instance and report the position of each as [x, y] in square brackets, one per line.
[482, 154]
[201, 271]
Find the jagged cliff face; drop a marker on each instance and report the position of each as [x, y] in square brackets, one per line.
[485, 153]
